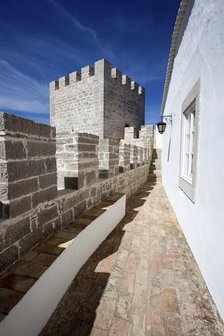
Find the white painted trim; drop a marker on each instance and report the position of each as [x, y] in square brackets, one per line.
[186, 185]
[181, 16]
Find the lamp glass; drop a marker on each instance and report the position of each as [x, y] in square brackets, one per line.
[161, 127]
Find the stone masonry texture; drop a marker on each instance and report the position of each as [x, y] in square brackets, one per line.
[27, 156]
[20, 234]
[31, 207]
[49, 175]
[100, 101]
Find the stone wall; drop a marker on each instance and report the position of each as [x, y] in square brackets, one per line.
[83, 158]
[77, 160]
[76, 101]
[100, 101]
[27, 165]
[28, 155]
[124, 104]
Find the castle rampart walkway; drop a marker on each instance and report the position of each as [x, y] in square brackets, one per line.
[142, 280]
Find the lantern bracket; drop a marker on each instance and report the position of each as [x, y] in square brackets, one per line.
[168, 118]
[161, 126]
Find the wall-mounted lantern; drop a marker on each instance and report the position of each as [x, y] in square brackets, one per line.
[161, 126]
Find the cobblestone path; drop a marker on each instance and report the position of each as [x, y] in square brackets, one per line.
[142, 280]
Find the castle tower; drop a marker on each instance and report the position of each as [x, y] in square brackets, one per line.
[99, 101]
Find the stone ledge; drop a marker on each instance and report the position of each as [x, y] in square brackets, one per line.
[46, 269]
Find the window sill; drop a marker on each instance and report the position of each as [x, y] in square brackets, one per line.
[187, 187]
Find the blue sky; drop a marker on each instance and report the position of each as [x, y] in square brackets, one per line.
[43, 40]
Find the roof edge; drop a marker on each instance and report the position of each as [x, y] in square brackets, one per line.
[183, 9]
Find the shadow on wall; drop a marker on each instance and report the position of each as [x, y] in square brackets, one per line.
[77, 310]
[169, 147]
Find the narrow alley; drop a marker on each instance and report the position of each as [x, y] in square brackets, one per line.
[142, 280]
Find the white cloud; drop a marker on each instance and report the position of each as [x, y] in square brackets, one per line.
[17, 104]
[20, 92]
[105, 49]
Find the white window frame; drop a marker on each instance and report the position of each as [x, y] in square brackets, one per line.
[189, 143]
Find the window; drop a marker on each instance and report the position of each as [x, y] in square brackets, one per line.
[189, 143]
[188, 154]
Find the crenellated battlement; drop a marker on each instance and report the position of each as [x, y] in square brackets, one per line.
[126, 80]
[100, 100]
[89, 71]
[117, 74]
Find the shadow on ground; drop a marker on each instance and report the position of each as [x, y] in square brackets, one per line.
[75, 314]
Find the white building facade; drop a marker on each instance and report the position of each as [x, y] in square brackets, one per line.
[193, 144]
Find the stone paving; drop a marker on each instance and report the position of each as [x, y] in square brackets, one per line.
[142, 280]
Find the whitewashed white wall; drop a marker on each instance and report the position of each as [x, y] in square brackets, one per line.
[158, 139]
[201, 55]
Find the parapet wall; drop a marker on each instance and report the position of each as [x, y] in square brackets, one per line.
[84, 159]
[27, 165]
[29, 197]
[99, 101]
[77, 160]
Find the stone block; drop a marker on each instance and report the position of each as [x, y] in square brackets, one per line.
[44, 195]
[79, 208]
[90, 178]
[51, 227]
[69, 201]
[86, 147]
[50, 165]
[20, 170]
[47, 214]
[63, 141]
[12, 150]
[16, 231]
[22, 188]
[87, 165]
[40, 148]
[47, 180]
[67, 217]
[19, 206]
[8, 257]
